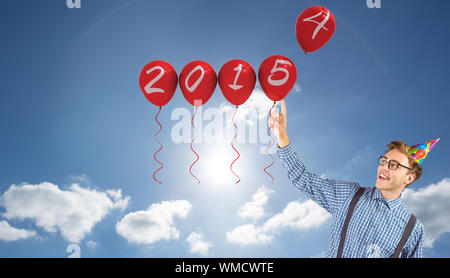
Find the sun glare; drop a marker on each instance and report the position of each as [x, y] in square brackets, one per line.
[216, 165]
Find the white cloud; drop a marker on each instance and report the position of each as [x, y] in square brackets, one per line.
[198, 244]
[91, 244]
[73, 212]
[258, 101]
[431, 205]
[83, 179]
[8, 233]
[153, 224]
[248, 234]
[116, 195]
[299, 216]
[254, 109]
[296, 215]
[255, 209]
[322, 254]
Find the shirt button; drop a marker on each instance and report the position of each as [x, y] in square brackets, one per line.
[373, 226]
[365, 242]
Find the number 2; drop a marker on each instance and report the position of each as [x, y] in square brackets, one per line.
[148, 87]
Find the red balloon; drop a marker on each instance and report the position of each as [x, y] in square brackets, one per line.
[158, 81]
[314, 28]
[198, 81]
[277, 75]
[421, 153]
[237, 80]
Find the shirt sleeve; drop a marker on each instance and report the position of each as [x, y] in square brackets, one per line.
[329, 194]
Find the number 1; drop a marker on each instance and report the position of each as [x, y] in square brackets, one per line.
[234, 86]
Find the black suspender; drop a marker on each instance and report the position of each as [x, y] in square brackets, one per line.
[405, 236]
[406, 233]
[347, 220]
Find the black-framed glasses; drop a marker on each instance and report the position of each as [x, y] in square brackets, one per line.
[392, 164]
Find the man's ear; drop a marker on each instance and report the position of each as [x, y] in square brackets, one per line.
[410, 178]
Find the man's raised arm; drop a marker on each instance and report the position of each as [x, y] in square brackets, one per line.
[329, 194]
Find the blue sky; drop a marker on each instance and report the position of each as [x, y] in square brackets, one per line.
[71, 112]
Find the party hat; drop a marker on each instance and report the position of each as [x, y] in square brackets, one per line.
[420, 151]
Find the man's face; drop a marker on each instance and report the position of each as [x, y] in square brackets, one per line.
[388, 179]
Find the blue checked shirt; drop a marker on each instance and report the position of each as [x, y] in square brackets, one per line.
[376, 225]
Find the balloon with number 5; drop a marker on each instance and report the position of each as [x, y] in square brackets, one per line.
[237, 80]
[314, 28]
[277, 75]
[158, 81]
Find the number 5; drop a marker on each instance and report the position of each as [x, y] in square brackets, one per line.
[275, 69]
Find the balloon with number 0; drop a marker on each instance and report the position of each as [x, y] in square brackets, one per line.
[198, 80]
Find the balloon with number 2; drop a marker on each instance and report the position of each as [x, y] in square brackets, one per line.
[158, 81]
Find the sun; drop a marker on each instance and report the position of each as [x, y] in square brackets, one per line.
[215, 167]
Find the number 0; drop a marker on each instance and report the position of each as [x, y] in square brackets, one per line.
[195, 85]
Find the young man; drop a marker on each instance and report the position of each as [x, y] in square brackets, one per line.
[366, 222]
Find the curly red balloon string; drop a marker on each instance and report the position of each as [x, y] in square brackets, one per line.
[160, 147]
[271, 144]
[235, 135]
[192, 149]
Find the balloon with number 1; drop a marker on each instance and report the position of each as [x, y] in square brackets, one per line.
[237, 80]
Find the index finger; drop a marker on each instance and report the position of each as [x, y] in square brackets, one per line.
[283, 108]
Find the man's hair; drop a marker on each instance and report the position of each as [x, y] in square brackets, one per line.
[401, 146]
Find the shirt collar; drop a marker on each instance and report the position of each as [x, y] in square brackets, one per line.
[391, 204]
